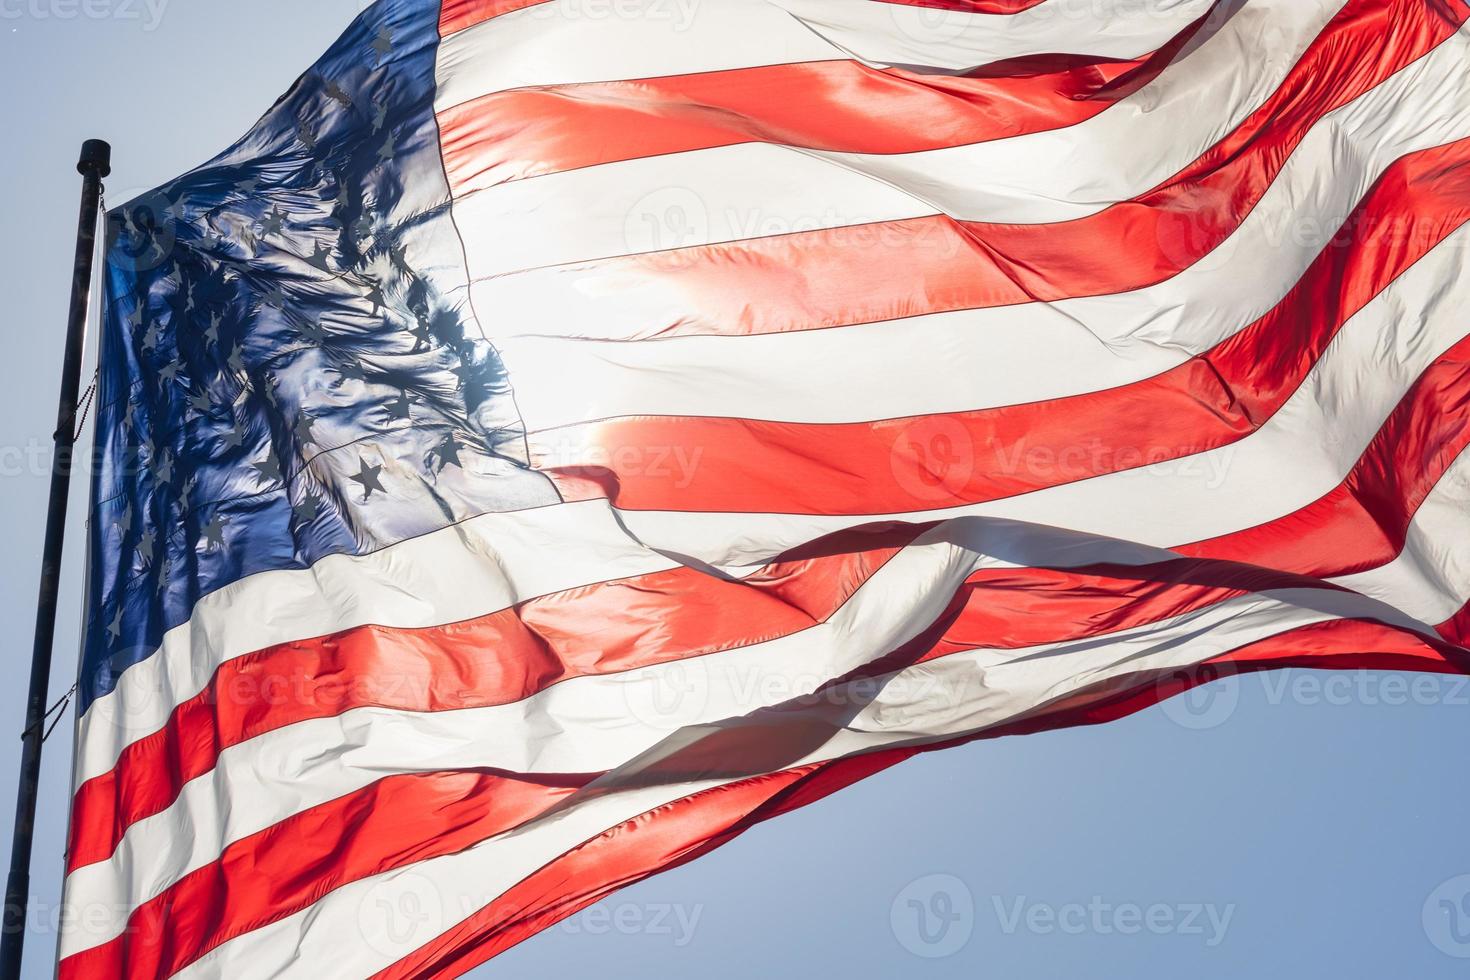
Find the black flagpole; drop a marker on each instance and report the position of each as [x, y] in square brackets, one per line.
[95, 164]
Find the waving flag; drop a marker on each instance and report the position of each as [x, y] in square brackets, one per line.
[561, 435]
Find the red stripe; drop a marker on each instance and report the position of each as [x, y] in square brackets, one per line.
[1364, 521]
[403, 819]
[1456, 629]
[248, 889]
[868, 273]
[1361, 524]
[653, 619]
[892, 466]
[456, 15]
[1009, 609]
[830, 105]
[678, 832]
[995, 609]
[270, 875]
[647, 619]
[659, 840]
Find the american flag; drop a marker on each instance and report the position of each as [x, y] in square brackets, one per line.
[563, 434]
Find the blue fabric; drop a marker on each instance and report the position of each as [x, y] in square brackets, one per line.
[290, 367]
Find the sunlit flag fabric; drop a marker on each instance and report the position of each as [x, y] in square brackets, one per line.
[562, 435]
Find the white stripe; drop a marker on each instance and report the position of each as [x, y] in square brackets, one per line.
[1301, 453]
[260, 631]
[898, 34]
[594, 723]
[582, 704]
[591, 723]
[962, 693]
[363, 927]
[1165, 323]
[472, 569]
[977, 359]
[753, 190]
[683, 199]
[1090, 343]
[977, 691]
[570, 41]
[1069, 173]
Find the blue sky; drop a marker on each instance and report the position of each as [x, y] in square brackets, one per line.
[1288, 825]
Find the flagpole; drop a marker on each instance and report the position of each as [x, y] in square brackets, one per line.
[95, 164]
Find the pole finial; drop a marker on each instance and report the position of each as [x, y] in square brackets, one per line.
[96, 158]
